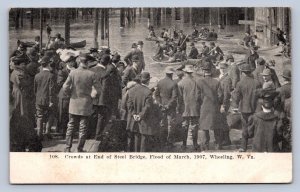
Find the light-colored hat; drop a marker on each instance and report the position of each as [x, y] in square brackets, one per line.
[188, 69]
[169, 70]
[266, 72]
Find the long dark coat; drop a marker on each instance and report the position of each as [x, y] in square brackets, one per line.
[189, 101]
[166, 93]
[225, 90]
[245, 95]
[140, 103]
[265, 128]
[234, 74]
[129, 75]
[210, 108]
[20, 95]
[102, 97]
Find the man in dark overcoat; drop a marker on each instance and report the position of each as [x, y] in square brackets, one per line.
[79, 85]
[45, 96]
[265, 127]
[139, 106]
[63, 98]
[101, 103]
[285, 94]
[233, 70]
[205, 50]
[140, 45]
[114, 84]
[251, 57]
[134, 52]
[189, 105]
[166, 95]
[244, 98]
[130, 72]
[225, 89]
[210, 108]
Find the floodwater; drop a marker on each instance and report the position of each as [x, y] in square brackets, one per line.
[122, 38]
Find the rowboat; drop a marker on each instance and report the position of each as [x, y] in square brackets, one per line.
[165, 62]
[154, 39]
[79, 44]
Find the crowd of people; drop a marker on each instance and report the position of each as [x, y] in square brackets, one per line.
[91, 90]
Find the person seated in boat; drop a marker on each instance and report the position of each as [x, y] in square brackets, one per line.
[159, 52]
[215, 52]
[195, 33]
[167, 46]
[212, 35]
[247, 40]
[179, 56]
[194, 52]
[203, 32]
[166, 34]
[59, 42]
[205, 50]
[151, 33]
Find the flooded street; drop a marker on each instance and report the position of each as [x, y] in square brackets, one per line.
[122, 38]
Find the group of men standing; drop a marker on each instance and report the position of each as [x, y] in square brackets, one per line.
[88, 91]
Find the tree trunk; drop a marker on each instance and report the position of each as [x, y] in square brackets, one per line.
[96, 23]
[67, 26]
[122, 17]
[31, 18]
[102, 24]
[41, 29]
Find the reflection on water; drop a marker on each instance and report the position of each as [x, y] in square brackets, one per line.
[121, 38]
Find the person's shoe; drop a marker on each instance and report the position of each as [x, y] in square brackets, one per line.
[227, 142]
[81, 150]
[197, 148]
[183, 147]
[205, 147]
[218, 147]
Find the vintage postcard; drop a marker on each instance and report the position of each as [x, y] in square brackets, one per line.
[150, 95]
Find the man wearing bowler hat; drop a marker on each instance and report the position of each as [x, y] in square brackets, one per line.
[233, 70]
[133, 52]
[244, 99]
[194, 52]
[210, 108]
[79, 85]
[131, 71]
[139, 107]
[166, 94]
[225, 89]
[251, 57]
[45, 93]
[189, 104]
[140, 46]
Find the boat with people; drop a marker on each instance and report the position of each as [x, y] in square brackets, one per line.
[79, 44]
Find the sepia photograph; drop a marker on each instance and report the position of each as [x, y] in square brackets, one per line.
[145, 83]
